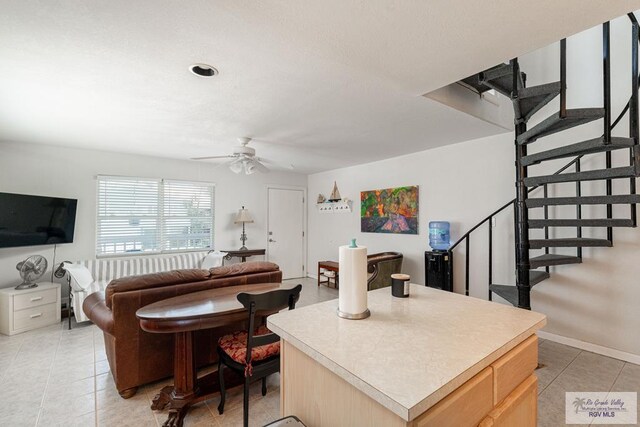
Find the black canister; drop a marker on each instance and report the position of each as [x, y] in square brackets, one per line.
[400, 285]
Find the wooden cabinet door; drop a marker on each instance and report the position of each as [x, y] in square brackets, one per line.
[513, 368]
[520, 408]
[464, 407]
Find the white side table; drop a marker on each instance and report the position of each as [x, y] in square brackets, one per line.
[28, 309]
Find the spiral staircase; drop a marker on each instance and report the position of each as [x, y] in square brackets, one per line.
[534, 253]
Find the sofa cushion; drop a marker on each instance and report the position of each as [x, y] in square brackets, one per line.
[243, 268]
[154, 280]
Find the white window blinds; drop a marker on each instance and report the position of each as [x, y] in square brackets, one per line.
[187, 220]
[141, 215]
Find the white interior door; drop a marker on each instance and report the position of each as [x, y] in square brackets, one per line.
[285, 240]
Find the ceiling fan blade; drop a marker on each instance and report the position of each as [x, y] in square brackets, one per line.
[269, 162]
[260, 167]
[212, 157]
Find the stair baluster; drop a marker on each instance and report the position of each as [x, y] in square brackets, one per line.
[490, 255]
[546, 229]
[634, 128]
[578, 210]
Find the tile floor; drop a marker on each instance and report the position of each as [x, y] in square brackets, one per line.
[56, 377]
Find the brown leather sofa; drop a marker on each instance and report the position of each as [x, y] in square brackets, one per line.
[380, 268]
[137, 357]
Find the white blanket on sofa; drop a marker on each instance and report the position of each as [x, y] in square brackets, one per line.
[105, 270]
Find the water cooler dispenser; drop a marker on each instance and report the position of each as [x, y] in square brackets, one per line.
[439, 270]
[438, 264]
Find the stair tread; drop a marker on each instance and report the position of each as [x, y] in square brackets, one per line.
[507, 292]
[530, 100]
[590, 146]
[477, 82]
[500, 78]
[544, 89]
[496, 72]
[473, 82]
[618, 199]
[536, 277]
[582, 222]
[554, 123]
[510, 292]
[553, 259]
[574, 242]
[592, 175]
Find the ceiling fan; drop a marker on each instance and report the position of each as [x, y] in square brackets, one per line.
[243, 159]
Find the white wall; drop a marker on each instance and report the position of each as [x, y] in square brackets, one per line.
[594, 302]
[458, 183]
[67, 172]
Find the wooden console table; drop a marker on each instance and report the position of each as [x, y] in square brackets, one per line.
[182, 316]
[244, 254]
[329, 266]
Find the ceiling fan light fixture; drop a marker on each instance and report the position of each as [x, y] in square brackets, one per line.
[243, 159]
[249, 167]
[203, 70]
[236, 167]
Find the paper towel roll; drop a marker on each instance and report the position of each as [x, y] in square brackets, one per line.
[352, 293]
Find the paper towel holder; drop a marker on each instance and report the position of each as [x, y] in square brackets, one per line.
[362, 251]
[350, 316]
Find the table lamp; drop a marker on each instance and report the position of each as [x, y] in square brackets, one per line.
[243, 217]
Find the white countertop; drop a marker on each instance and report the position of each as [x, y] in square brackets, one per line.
[412, 351]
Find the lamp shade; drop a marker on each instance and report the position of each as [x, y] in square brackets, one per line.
[243, 216]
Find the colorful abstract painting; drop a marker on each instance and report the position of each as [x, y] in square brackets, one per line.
[392, 210]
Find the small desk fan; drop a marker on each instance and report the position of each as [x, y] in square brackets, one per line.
[31, 269]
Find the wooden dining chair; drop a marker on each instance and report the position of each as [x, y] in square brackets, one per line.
[254, 353]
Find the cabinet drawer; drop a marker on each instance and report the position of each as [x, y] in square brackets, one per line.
[520, 408]
[34, 317]
[514, 367]
[34, 299]
[466, 406]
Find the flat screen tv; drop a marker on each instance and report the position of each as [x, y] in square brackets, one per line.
[36, 220]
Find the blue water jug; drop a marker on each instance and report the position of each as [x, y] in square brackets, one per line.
[439, 235]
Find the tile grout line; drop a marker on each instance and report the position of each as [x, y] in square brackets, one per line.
[46, 387]
[560, 373]
[617, 376]
[13, 359]
[95, 380]
[612, 384]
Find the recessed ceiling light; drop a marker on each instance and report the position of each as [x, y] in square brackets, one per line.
[203, 70]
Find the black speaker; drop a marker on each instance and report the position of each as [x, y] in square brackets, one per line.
[438, 266]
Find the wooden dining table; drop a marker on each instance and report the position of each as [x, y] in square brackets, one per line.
[182, 316]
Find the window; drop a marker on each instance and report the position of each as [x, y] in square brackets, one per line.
[142, 215]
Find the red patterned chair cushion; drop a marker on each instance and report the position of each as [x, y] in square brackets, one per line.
[235, 345]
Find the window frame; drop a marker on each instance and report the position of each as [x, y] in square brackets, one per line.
[160, 218]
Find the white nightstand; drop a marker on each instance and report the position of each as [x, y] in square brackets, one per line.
[28, 309]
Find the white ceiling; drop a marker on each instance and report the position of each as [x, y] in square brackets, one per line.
[319, 84]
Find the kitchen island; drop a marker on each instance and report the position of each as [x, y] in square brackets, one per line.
[433, 359]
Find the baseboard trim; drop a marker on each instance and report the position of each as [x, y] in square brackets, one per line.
[312, 276]
[594, 348]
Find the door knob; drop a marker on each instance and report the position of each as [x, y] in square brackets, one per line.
[272, 241]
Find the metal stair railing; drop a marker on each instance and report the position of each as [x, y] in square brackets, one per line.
[632, 107]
